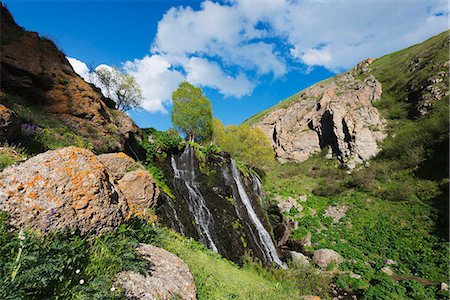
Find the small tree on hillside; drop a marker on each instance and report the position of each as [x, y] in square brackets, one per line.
[249, 145]
[192, 112]
[122, 88]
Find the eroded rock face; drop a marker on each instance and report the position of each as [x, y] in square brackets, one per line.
[169, 277]
[141, 192]
[9, 124]
[64, 188]
[336, 114]
[34, 69]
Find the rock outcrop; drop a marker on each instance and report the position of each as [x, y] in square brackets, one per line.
[70, 188]
[10, 124]
[168, 278]
[34, 69]
[336, 114]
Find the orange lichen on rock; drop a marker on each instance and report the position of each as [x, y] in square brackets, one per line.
[73, 186]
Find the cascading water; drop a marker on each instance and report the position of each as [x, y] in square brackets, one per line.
[257, 189]
[196, 204]
[264, 237]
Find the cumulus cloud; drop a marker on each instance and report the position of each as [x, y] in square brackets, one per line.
[229, 46]
[157, 81]
[79, 67]
[205, 73]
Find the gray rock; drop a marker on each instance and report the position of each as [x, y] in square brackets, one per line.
[299, 259]
[337, 113]
[389, 262]
[387, 271]
[336, 212]
[324, 257]
[355, 276]
[168, 278]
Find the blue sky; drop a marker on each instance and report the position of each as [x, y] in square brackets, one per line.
[245, 55]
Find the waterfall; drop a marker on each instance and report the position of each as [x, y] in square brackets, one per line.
[257, 189]
[197, 204]
[177, 222]
[266, 241]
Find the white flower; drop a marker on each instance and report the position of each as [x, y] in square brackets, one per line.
[81, 281]
[22, 235]
[77, 271]
[112, 289]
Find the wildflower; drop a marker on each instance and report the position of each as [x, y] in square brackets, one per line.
[77, 271]
[112, 289]
[22, 235]
[81, 281]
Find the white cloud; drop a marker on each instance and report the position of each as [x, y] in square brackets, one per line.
[79, 67]
[157, 81]
[231, 45]
[205, 73]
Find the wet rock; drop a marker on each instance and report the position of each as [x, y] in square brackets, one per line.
[10, 124]
[68, 188]
[118, 164]
[324, 257]
[141, 192]
[168, 278]
[337, 114]
[387, 271]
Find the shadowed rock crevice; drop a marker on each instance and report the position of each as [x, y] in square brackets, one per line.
[337, 114]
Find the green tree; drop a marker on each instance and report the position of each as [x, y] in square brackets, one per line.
[192, 112]
[120, 87]
[248, 145]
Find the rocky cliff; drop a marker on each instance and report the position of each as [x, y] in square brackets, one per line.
[35, 73]
[216, 204]
[336, 114]
[340, 115]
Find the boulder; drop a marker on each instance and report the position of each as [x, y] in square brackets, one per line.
[299, 259]
[10, 124]
[388, 262]
[62, 189]
[387, 271]
[118, 164]
[141, 192]
[324, 257]
[168, 278]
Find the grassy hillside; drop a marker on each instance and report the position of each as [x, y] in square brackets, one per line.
[397, 207]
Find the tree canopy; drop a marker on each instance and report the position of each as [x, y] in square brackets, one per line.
[192, 112]
[249, 145]
[120, 87]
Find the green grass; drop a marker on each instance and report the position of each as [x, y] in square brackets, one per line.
[37, 267]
